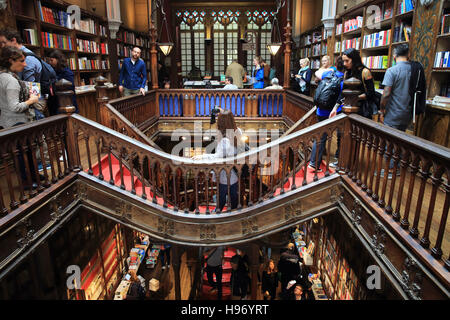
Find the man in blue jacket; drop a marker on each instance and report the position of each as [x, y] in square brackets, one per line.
[133, 74]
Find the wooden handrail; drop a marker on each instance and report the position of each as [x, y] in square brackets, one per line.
[171, 172]
[413, 164]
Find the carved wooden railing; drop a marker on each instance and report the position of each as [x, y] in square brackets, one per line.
[421, 170]
[174, 175]
[40, 144]
[199, 103]
[137, 109]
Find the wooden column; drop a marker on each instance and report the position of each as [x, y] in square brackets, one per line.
[153, 56]
[102, 100]
[253, 255]
[176, 263]
[350, 94]
[287, 49]
[65, 101]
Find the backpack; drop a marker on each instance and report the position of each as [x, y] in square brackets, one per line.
[328, 91]
[417, 88]
[48, 75]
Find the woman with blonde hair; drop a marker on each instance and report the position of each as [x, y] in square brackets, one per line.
[258, 74]
[326, 66]
[304, 76]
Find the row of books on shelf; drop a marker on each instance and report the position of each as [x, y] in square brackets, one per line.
[315, 64]
[402, 32]
[324, 49]
[377, 39]
[352, 43]
[445, 24]
[442, 59]
[63, 19]
[30, 36]
[353, 24]
[54, 16]
[316, 49]
[92, 64]
[376, 62]
[305, 52]
[386, 12]
[337, 47]
[316, 36]
[53, 40]
[406, 6]
[339, 29]
[130, 37]
[88, 46]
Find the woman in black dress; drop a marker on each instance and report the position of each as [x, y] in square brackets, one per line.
[270, 281]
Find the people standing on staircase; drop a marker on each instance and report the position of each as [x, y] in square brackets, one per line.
[239, 276]
[214, 261]
[269, 281]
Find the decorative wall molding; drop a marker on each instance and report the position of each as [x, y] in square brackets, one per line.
[412, 279]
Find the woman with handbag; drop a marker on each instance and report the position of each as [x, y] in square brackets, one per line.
[355, 68]
[16, 103]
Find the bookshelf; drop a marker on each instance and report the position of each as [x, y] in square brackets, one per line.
[313, 45]
[439, 84]
[374, 33]
[45, 26]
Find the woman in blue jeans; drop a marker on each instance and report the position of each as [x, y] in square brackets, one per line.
[322, 115]
[226, 147]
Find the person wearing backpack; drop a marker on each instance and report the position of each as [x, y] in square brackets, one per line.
[33, 69]
[328, 99]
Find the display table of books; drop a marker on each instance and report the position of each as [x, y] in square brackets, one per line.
[152, 257]
[136, 257]
[317, 288]
[305, 252]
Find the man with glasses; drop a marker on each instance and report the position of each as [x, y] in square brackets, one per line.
[133, 74]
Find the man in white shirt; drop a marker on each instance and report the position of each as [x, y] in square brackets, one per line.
[275, 85]
[229, 84]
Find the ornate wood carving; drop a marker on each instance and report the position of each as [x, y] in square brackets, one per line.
[166, 226]
[412, 278]
[249, 226]
[293, 210]
[208, 232]
[356, 212]
[25, 233]
[379, 239]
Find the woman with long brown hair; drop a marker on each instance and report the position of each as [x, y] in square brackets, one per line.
[269, 281]
[226, 147]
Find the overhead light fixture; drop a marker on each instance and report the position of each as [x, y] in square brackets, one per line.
[275, 45]
[165, 47]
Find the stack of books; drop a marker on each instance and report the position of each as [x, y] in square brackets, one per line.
[445, 24]
[406, 6]
[442, 59]
[377, 39]
[54, 16]
[52, 40]
[402, 32]
[87, 46]
[88, 64]
[339, 29]
[376, 62]
[353, 24]
[352, 43]
[30, 36]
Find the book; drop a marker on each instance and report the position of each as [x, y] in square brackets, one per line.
[445, 24]
[34, 88]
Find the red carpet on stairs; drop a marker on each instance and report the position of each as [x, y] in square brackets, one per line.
[226, 276]
[138, 185]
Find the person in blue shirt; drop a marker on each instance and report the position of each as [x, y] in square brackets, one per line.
[133, 74]
[327, 114]
[258, 74]
[59, 63]
[33, 69]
